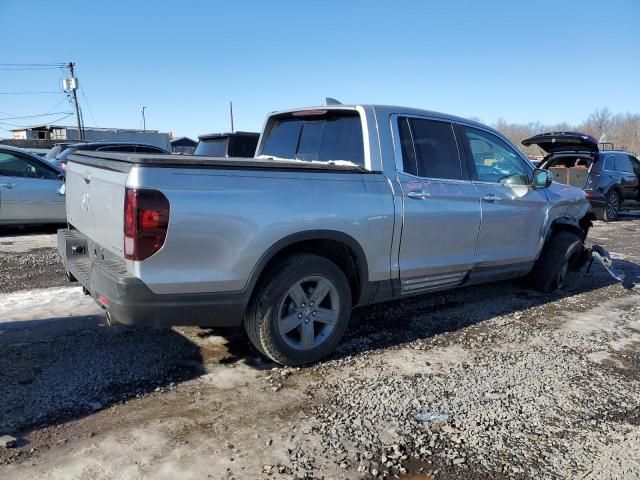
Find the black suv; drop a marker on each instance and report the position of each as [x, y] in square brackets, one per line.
[237, 144]
[61, 158]
[610, 178]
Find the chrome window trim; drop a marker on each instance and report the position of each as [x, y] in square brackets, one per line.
[397, 147]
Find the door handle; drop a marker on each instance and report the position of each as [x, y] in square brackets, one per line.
[419, 195]
[8, 185]
[491, 198]
[87, 179]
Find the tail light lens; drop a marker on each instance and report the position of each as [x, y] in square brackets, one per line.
[146, 220]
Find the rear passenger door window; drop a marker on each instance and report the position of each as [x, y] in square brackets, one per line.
[429, 149]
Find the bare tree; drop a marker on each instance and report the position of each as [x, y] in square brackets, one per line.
[621, 129]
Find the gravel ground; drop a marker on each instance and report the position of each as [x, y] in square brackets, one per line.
[29, 259]
[485, 382]
[39, 268]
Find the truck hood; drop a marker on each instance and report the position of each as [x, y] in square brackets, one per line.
[563, 141]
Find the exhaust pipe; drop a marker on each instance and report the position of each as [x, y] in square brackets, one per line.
[112, 322]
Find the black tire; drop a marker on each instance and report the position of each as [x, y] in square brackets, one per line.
[265, 312]
[562, 252]
[611, 210]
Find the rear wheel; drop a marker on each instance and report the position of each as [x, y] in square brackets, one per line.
[301, 310]
[561, 254]
[613, 206]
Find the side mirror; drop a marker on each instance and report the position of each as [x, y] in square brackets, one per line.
[541, 178]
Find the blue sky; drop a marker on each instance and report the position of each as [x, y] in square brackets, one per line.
[184, 61]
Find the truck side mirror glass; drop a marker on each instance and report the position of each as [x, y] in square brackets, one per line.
[541, 178]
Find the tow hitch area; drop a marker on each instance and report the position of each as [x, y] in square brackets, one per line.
[599, 253]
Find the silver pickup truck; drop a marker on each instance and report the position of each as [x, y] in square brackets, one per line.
[342, 206]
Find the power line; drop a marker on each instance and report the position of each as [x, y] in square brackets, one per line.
[17, 69]
[95, 124]
[34, 125]
[57, 105]
[35, 116]
[27, 93]
[59, 64]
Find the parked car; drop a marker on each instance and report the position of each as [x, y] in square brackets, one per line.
[31, 189]
[343, 206]
[238, 144]
[62, 157]
[610, 178]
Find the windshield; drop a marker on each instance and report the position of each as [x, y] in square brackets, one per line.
[212, 148]
[333, 136]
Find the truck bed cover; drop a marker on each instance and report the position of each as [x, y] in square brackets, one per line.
[123, 162]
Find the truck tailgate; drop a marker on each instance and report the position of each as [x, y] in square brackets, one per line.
[95, 204]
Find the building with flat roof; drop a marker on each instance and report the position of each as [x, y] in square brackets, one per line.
[61, 133]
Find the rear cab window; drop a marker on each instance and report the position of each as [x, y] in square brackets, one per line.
[316, 135]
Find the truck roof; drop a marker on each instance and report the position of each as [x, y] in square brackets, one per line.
[385, 110]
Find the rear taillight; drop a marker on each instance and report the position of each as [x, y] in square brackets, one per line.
[146, 219]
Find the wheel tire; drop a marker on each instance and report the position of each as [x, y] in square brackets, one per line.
[561, 253]
[263, 321]
[612, 208]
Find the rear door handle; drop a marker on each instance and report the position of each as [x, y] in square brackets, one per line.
[8, 185]
[491, 198]
[419, 195]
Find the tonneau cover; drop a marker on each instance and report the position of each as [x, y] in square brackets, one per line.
[124, 162]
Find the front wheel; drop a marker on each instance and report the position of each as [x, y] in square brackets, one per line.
[301, 310]
[562, 253]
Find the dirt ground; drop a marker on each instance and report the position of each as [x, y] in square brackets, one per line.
[484, 382]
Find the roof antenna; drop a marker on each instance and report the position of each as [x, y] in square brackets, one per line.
[331, 101]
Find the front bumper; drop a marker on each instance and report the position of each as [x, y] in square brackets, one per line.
[128, 300]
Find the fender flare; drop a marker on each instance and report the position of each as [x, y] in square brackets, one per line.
[307, 235]
[568, 223]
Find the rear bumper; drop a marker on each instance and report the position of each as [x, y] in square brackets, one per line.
[129, 301]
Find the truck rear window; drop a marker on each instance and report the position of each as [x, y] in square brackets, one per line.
[331, 136]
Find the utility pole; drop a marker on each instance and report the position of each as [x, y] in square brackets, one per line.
[144, 121]
[231, 112]
[72, 84]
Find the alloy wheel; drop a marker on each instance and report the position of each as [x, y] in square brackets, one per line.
[308, 312]
[613, 205]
